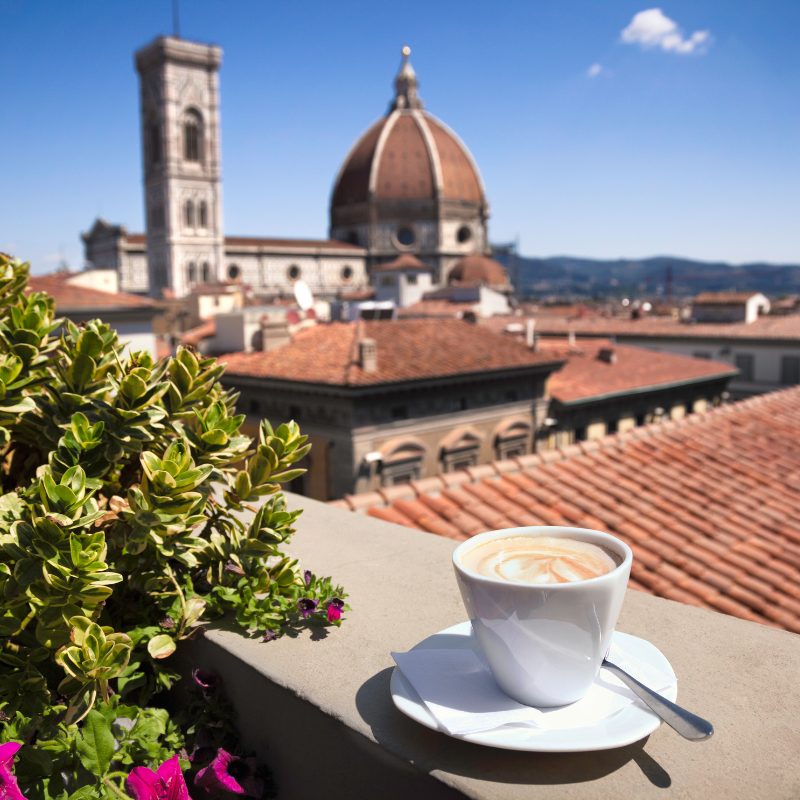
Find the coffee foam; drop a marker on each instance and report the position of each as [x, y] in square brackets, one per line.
[538, 560]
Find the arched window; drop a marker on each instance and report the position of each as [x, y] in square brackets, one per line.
[202, 214]
[206, 272]
[512, 438]
[293, 272]
[188, 213]
[460, 449]
[192, 135]
[234, 272]
[402, 460]
[191, 273]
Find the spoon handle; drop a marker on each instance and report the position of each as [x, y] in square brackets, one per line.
[684, 722]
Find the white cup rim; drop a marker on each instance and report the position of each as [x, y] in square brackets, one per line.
[543, 530]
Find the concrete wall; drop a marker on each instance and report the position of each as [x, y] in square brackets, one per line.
[316, 707]
[104, 280]
[400, 287]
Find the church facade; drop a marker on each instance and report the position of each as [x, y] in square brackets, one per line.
[408, 186]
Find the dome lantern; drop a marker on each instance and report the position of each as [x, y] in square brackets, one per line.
[405, 84]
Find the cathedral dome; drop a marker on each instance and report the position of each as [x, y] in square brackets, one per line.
[407, 169]
[478, 269]
[408, 155]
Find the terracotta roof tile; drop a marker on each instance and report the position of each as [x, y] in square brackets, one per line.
[708, 504]
[391, 515]
[765, 327]
[407, 350]
[722, 298]
[261, 242]
[586, 375]
[71, 297]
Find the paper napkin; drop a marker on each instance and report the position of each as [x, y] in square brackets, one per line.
[458, 689]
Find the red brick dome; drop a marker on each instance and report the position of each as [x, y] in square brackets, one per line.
[478, 269]
[408, 155]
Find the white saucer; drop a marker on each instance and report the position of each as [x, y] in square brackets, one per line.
[628, 725]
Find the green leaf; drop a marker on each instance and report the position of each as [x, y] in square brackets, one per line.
[83, 368]
[96, 743]
[161, 646]
[85, 793]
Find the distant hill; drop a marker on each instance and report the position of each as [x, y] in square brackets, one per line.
[586, 277]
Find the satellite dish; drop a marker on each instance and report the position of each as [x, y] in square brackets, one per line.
[303, 295]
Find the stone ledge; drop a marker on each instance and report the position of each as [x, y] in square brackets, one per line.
[320, 714]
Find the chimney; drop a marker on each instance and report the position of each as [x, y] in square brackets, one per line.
[274, 333]
[368, 355]
[531, 339]
[571, 338]
[607, 354]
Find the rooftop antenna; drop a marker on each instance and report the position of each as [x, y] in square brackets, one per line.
[176, 20]
[303, 295]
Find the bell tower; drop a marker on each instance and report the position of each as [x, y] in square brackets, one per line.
[179, 87]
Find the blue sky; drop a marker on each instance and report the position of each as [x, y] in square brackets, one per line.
[598, 133]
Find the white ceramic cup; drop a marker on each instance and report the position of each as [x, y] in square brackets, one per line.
[545, 643]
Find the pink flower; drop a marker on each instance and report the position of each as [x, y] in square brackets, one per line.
[9, 788]
[335, 609]
[166, 783]
[229, 773]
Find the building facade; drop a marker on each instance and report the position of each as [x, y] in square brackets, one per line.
[408, 186]
[179, 90]
[386, 402]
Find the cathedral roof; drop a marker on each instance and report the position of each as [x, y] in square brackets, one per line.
[405, 262]
[408, 155]
[478, 269]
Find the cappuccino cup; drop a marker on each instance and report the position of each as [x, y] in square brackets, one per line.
[543, 602]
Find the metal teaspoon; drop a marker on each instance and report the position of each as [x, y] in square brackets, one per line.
[688, 725]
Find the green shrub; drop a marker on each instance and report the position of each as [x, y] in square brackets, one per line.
[132, 511]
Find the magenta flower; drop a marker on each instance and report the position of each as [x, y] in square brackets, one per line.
[269, 636]
[307, 577]
[229, 773]
[306, 606]
[207, 681]
[335, 609]
[9, 788]
[166, 783]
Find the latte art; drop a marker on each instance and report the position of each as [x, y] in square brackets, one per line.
[539, 560]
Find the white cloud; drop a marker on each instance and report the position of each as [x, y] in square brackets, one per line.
[594, 70]
[652, 28]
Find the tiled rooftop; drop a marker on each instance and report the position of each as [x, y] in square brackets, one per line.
[767, 327]
[269, 242]
[586, 375]
[435, 308]
[722, 298]
[709, 504]
[407, 350]
[70, 297]
[405, 261]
